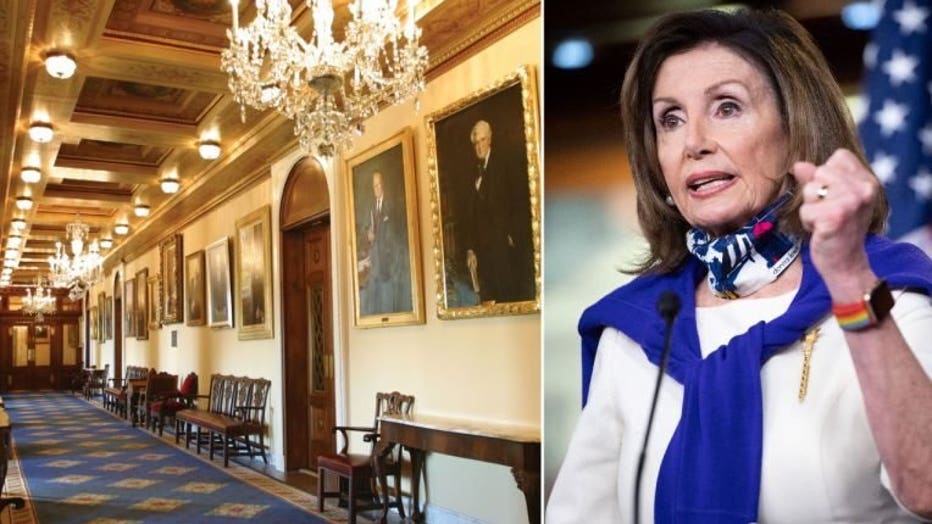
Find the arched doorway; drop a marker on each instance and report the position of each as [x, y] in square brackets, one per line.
[307, 310]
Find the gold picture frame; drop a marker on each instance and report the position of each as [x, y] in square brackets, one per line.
[172, 298]
[385, 244]
[143, 304]
[195, 314]
[94, 322]
[485, 206]
[155, 308]
[219, 300]
[254, 275]
[129, 308]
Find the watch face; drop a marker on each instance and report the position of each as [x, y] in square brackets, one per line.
[880, 301]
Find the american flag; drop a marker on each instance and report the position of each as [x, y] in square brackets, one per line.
[897, 127]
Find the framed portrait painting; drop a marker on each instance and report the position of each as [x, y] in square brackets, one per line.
[485, 200]
[219, 303]
[195, 314]
[154, 284]
[172, 285]
[129, 308]
[142, 304]
[385, 245]
[254, 275]
[94, 322]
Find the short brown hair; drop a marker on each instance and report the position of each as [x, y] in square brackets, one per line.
[812, 109]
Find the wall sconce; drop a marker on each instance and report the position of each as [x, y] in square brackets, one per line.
[209, 149]
[24, 203]
[141, 210]
[41, 132]
[170, 184]
[30, 175]
[60, 65]
[18, 223]
[106, 243]
[121, 228]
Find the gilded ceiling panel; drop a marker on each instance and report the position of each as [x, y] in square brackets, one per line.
[134, 99]
[114, 152]
[198, 23]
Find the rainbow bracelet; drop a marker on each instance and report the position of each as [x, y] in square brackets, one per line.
[853, 317]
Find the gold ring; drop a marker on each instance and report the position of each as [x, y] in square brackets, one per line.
[822, 192]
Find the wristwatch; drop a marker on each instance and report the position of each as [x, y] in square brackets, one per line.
[873, 307]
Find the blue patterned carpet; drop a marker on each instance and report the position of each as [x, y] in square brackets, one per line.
[80, 464]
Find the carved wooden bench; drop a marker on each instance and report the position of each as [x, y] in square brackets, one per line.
[234, 420]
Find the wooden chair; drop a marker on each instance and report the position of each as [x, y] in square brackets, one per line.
[357, 471]
[96, 382]
[158, 385]
[170, 404]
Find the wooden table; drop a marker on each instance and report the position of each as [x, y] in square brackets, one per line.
[499, 444]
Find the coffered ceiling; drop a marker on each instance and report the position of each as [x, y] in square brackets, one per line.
[148, 87]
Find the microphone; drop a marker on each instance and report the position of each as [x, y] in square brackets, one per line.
[668, 305]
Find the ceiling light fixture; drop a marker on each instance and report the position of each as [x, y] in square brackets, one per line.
[121, 228]
[18, 223]
[10, 253]
[327, 87]
[141, 210]
[30, 175]
[24, 203]
[14, 241]
[60, 65]
[209, 149]
[10, 263]
[41, 132]
[170, 184]
[6, 271]
[106, 243]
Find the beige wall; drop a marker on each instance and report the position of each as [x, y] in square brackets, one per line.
[201, 349]
[482, 369]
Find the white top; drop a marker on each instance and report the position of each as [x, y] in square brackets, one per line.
[819, 461]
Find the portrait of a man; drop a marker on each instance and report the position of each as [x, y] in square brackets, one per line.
[385, 234]
[385, 287]
[484, 181]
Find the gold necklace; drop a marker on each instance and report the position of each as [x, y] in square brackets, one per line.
[808, 345]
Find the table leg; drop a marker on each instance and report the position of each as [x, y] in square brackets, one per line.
[529, 483]
[417, 468]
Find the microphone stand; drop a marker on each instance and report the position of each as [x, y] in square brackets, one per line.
[668, 305]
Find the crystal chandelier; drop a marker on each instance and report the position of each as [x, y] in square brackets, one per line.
[82, 269]
[327, 88]
[40, 303]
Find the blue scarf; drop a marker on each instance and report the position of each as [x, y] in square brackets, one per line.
[711, 470]
[745, 261]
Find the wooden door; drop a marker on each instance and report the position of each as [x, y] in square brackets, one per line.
[321, 405]
[30, 355]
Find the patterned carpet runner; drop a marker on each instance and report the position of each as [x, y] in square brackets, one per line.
[75, 462]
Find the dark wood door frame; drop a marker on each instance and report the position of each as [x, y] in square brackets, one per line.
[305, 204]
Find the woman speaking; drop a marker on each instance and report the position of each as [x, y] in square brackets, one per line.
[797, 387]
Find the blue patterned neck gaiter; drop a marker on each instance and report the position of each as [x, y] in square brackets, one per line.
[747, 260]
